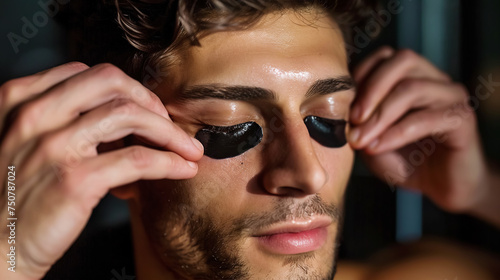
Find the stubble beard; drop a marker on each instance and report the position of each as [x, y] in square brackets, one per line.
[191, 245]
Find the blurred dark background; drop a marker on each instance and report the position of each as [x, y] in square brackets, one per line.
[460, 37]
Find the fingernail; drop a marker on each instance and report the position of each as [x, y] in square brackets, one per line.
[354, 135]
[192, 164]
[197, 144]
[356, 113]
[373, 145]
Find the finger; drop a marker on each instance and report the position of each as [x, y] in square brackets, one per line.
[122, 117]
[405, 64]
[107, 123]
[418, 125]
[391, 167]
[18, 90]
[369, 64]
[93, 177]
[83, 92]
[410, 94]
[61, 202]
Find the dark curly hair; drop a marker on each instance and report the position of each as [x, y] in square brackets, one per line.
[135, 34]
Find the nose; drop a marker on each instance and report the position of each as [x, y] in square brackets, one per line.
[293, 166]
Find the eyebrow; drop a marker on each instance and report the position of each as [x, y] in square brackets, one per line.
[249, 93]
[219, 91]
[331, 85]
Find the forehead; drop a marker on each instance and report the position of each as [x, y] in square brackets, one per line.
[297, 45]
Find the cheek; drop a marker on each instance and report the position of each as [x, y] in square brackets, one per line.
[221, 185]
[337, 163]
[220, 188]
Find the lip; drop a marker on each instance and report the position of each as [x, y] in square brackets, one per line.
[295, 237]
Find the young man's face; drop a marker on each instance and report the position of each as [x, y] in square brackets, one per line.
[273, 211]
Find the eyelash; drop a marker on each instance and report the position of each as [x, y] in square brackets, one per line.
[224, 129]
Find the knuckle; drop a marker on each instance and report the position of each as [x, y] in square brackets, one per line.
[408, 55]
[27, 118]
[77, 65]
[11, 88]
[139, 157]
[112, 74]
[146, 98]
[124, 107]
[153, 100]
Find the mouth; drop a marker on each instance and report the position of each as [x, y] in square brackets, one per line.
[295, 237]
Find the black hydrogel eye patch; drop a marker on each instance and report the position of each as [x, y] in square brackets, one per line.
[329, 133]
[229, 141]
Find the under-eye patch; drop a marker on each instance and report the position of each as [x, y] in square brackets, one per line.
[229, 141]
[329, 133]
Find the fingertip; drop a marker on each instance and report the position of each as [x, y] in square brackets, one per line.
[192, 164]
[198, 145]
[191, 170]
[373, 146]
[193, 151]
[353, 135]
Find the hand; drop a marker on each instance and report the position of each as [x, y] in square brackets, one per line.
[53, 122]
[416, 129]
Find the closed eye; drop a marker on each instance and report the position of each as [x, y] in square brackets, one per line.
[222, 142]
[327, 132]
[229, 141]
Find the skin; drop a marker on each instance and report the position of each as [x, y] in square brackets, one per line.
[425, 259]
[285, 56]
[401, 98]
